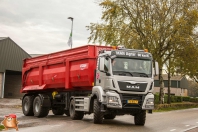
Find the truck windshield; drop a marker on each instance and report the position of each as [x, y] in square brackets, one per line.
[132, 67]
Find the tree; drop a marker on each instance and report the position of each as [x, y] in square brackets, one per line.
[193, 89]
[183, 62]
[187, 60]
[159, 25]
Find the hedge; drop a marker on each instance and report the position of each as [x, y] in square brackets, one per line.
[175, 106]
[193, 100]
[186, 98]
[175, 99]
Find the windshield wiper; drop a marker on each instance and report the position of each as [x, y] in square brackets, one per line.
[142, 73]
[125, 72]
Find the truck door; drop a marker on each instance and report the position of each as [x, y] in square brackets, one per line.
[102, 71]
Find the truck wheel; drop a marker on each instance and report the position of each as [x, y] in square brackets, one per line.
[67, 112]
[27, 105]
[38, 110]
[109, 116]
[98, 115]
[140, 118]
[58, 111]
[75, 115]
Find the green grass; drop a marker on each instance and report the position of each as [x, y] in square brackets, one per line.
[171, 109]
[175, 106]
[1, 127]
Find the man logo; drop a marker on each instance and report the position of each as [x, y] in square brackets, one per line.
[83, 66]
[132, 87]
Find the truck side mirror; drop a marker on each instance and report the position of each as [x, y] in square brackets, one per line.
[101, 65]
[113, 57]
[156, 68]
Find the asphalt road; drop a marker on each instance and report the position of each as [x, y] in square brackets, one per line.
[174, 121]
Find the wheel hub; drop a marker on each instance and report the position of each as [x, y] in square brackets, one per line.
[37, 107]
[26, 106]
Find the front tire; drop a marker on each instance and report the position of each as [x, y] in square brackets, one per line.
[140, 118]
[75, 115]
[38, 110]
[27, 105]
[98, 115]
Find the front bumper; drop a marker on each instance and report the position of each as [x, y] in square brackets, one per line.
[120, 101]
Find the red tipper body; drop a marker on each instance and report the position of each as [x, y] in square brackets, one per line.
[66, 70]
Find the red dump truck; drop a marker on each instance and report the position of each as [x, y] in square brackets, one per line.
[106, 81]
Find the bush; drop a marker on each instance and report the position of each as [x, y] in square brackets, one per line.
[186, 98]
[175, 99]
[194, 100]
[175, 106]
[178, 98]
[165, 98]
[156, 98]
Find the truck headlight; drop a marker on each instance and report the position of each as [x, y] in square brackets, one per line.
[112, 100]
[150, 103]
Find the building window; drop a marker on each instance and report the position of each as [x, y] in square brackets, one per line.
[156, 83]
[174, 84]
[165, 83]
[178, 84]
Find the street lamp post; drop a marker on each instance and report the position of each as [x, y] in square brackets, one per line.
[70, 37]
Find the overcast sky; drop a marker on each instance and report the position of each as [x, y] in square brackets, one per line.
[41, 26]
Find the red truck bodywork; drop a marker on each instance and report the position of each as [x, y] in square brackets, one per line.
[68, 70]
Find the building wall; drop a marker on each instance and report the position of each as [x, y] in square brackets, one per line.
[184, 83]
[12, 55]
[12, 86]
[185, 92]
[173, 91]
[1, 81]
[174, 83]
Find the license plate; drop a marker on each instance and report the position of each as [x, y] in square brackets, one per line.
[132, 101]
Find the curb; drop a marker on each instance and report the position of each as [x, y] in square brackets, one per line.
[10, 106]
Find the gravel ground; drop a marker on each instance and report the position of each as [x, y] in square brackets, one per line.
[10, 103]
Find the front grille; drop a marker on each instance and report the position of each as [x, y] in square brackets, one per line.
[126, 97]
[138, 87]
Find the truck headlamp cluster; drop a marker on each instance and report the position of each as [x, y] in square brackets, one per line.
[112, 100]
[150, 103]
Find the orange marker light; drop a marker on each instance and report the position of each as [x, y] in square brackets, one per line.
[145, 50]
[114, 47]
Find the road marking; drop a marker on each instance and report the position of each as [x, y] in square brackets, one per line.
[187, 125]
[172, 130]
[190, 128]
[55, 126]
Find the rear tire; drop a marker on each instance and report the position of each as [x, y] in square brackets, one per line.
[109, 116]
[27, 105]
[98, 115]
[38, 110]
[58, 111]
[75, 115]
[140, 118]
